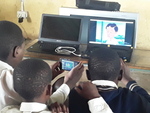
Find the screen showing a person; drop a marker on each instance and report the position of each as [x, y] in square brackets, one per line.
[61, 28]
[111, 32]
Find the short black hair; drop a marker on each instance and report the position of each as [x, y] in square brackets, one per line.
[104, 64]
[31, 77]
[10, 37]
[113, 25]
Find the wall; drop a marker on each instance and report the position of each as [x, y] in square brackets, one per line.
[30, 26]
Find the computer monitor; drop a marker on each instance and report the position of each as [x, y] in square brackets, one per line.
[111, 31]
[103, 14]
[60, 29]
[117, 34]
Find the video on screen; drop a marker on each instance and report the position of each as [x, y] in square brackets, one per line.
[111, 32]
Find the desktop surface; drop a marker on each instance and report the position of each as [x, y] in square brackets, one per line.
[140, 58]
[33, 51]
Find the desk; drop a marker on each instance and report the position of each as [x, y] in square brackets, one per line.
[50, 59]
[139, 73]
[133, 64]
[49, 56]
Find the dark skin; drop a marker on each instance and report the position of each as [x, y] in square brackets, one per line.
[57, 84]
[87, 90]
[74, 75]
[70, 79]
[126, 73]
[56, 70]
[57, 108]
[78, 70]
[16, 55]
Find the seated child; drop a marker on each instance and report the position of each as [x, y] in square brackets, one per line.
[32, 79]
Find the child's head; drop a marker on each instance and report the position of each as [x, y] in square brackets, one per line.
[31, 80]
[111, 30]
[104, 64]
[11, 43]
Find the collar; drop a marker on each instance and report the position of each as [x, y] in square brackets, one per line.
[29, 107]
[4, 65]
[105, 83]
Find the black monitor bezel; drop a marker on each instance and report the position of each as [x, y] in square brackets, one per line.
[43, 39]
[114, 19]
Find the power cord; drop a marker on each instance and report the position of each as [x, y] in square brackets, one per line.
[66, 50]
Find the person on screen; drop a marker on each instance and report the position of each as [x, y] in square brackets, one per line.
[111, 30]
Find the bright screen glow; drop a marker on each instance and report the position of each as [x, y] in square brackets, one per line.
[112, 32]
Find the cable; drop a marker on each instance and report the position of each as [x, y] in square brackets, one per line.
[22, 5]
[64, 50]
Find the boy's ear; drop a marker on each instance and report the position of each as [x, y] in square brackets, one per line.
[120, 75]
[88, 75]
[16, 51]
[49, 90]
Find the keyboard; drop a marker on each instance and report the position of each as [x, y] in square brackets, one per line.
[53, 46]
[125, 54]
[49, 48]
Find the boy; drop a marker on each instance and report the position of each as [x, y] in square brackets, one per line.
[11, 53]
[105, 70]
[31, 81]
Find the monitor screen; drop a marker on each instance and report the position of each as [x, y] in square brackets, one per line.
[111, 31]
[102, 14]
[60, 29]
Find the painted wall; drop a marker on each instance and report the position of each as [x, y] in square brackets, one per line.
[30, 26]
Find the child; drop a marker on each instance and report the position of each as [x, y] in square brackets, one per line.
[32, 79]
[11, 53]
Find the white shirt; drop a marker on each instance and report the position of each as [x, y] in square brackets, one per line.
[9, 97]
[113, 41]
[97, 105]
[105, 83]
[27, 107]
[7, 94]
[60, 95]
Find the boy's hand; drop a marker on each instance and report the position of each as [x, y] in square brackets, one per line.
[87, 90]
[74, 75]
[126, 73]
[59, 108]
[56, 70]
